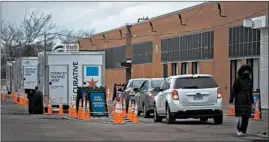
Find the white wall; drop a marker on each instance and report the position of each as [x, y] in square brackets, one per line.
[264, 68]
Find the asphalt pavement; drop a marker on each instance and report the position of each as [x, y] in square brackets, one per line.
[18, 125]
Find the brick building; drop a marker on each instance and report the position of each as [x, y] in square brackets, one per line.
[207, 38]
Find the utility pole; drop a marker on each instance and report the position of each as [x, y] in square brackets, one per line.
[21, 70]
[128, 70]
[45, 61]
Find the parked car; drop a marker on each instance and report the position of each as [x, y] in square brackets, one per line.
[144, 98]
[189, 96]
[131, 88]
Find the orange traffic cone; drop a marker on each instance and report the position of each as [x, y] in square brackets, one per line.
[231, 110]
[70, 108]
[74, 112]
[257, 111]
[79, 109]
[124, 108]
[49, 108]
[129, 115]
[118, 119]
[87, 111]
[83, 110]
[135, 112]
[108, 100]
[61, 110]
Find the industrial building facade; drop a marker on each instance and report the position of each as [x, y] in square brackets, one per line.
[209, 38]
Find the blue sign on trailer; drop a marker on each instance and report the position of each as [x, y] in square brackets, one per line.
[98, 104]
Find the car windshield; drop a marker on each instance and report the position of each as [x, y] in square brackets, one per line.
[195, 83]
[156, 83]
[135, 83]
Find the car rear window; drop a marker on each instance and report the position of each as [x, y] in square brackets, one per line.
[195, 83]
[135, 83]
[156, 83]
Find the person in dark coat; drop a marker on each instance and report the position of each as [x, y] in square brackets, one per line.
[242, 98]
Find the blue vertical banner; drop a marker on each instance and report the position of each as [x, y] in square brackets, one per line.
[98, 104]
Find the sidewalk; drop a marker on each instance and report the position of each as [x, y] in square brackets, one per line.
[256, 128]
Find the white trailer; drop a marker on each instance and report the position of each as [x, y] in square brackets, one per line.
[61, 73]
[26, 74]
[9, 77]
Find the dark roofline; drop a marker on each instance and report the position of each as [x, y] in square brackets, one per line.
[160, 16]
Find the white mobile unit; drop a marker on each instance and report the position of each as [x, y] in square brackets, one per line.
[26, 73]
[61, 73]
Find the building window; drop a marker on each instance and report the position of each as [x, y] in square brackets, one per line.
[170, 50]
[199, 46]
[165, 70]
[174, 69]
[244, 42]
[142, 53]
[114, 57]
[184, 68]
[195, 68]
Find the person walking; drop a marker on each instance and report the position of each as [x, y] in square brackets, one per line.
[242, 98]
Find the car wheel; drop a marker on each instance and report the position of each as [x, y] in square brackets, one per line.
[157, 118]
[145, 112]
[169, 117]
[218, 119]
[203, 119]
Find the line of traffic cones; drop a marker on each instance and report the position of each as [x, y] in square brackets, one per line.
[83, 112]
[120, 116]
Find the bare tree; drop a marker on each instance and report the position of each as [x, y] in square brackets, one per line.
[11, 37]
[34, 26]
[67, 36]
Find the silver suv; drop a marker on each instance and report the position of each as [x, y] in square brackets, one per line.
[189, 96]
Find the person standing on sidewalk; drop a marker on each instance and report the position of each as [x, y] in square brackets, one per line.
[242, 98]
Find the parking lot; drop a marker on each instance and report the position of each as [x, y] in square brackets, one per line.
[18, 125]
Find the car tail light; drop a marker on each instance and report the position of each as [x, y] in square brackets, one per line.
[150, 95]
[175, 95]
[219, 95]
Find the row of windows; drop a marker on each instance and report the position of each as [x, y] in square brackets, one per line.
[188, 47]
[142, 53]
[114, 56]
[244, 42]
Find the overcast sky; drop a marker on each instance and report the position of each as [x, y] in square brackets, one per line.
[100, 16]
